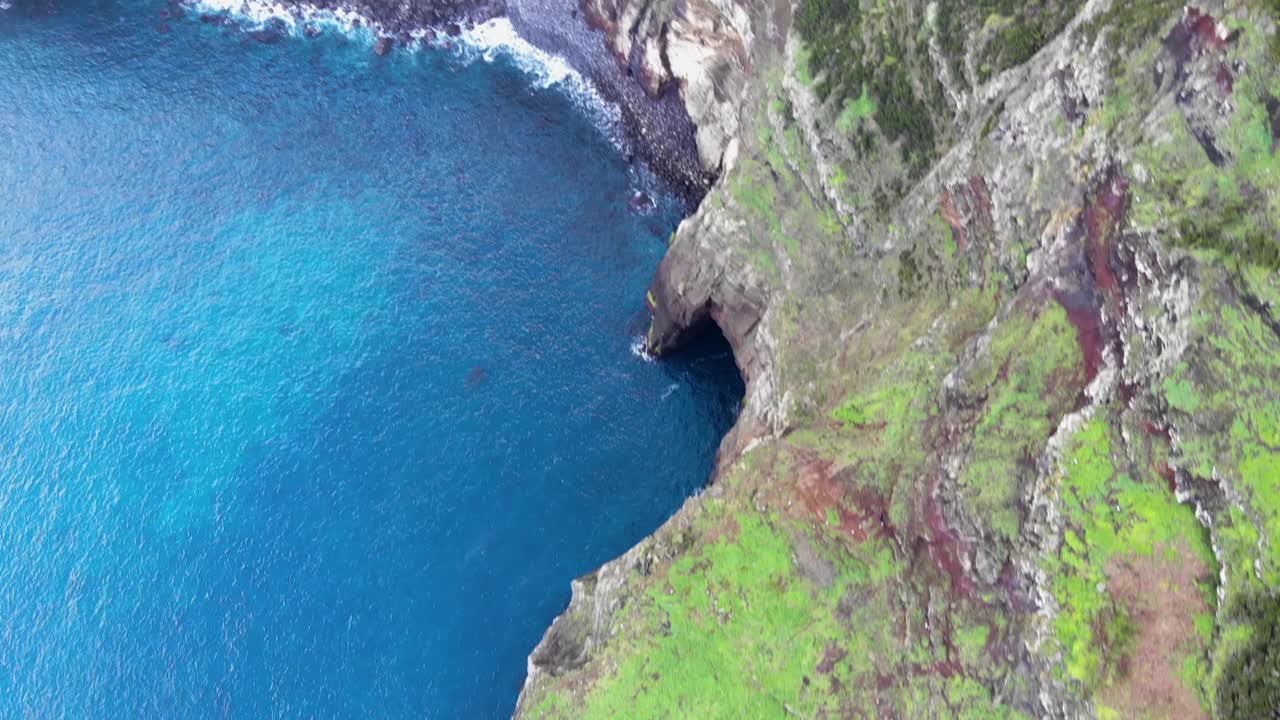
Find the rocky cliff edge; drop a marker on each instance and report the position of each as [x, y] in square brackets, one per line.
[1002, 280]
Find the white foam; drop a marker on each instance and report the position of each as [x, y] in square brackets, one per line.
[640, 349]
[498, 38]
[487, 41]
[258, 13]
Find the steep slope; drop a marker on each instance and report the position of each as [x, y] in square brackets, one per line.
[1002, 280]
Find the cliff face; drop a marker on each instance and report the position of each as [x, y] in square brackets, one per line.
[1001, 277]
[700, 48]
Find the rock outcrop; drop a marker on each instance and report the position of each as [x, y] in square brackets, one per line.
[1002, 280]
[700, 48]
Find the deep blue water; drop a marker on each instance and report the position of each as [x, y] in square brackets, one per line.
[316, 385]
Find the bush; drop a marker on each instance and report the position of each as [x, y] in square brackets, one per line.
[1249, 682]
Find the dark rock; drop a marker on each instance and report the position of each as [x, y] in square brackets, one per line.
[453, 29]
[1074, 102]
[311, 30]
[383, 46]
[563, 648]
[1197, 34]
[640, 202]
[1203, 136]
[684, 303]
[266, 36]
[1224, 78]
[1273, 115]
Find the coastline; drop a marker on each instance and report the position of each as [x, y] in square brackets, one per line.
[993, 364]
[549, 39]
[425, 265]
[649, 124]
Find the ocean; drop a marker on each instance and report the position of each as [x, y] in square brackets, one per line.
[319, 371]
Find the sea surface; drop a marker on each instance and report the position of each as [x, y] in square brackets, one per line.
[317, 369]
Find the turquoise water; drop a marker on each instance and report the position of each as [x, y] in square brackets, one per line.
[316, 379]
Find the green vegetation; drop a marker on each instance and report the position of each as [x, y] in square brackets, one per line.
[758, 195]
[855, 111]
[735, 626]
[873, 62]
[1132, 23]
[1010, 32]
[908, 273]
[871, 78]
[1273, 8]
[888, 403]
[853, 413]
[765, 181]
[739, 636]
[733, 631]
[1227, 410]
[1249, 682]
[972, 643]
[1110, 515]
[1032, 373]
[1225, 404]
[1231, 410]
[1231, 209]
[880, 421]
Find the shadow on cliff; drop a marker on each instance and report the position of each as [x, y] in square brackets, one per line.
[709, 357]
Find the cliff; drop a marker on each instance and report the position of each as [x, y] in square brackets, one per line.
[1002, 280]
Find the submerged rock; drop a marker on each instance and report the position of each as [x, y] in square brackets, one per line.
[640, 202]
[266, 36]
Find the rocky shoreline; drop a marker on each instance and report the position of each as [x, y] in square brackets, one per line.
[657, 126]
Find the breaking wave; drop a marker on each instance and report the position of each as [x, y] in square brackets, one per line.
[488, 41]
[640, 350]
